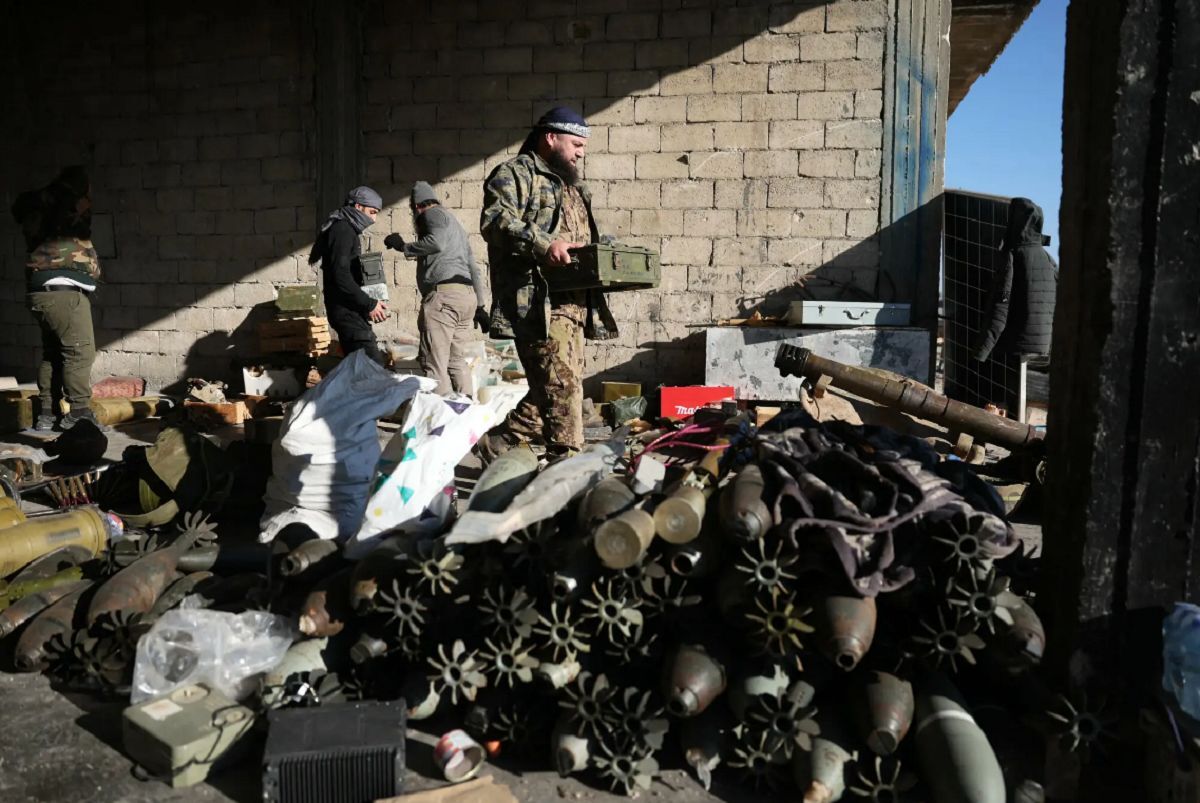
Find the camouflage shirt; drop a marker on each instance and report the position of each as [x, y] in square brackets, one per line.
[63, 257]
[522, 209]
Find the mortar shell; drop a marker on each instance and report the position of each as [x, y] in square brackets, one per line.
[571, 752]
[33, 604]
[135, 588]
[175, 592]
[56, 620]
[847, 627]
[307, 555]
[885, 711]
[503, 479]
[956, 759]
[622, 540]
[744, 515]
[679, 517]
[694, 679]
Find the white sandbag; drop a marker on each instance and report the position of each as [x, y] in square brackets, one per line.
[325, 457]
[414, 486]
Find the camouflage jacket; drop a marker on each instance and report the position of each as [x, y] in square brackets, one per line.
[522, 203]
[66, 257]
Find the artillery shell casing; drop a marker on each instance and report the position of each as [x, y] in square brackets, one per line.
[31, 605]
[678, 518]
[957, 761]
[885, 711]
[847, 627]
[744, 514]
[622, 540]
[694, 679]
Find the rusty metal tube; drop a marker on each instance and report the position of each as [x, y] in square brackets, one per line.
[901, 393]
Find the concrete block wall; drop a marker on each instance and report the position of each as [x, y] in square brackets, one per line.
[197, 125]
[741, 140]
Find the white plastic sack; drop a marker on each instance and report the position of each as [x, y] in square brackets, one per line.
[325, 457]
[222, 650]
[414, 485]
[549, 493]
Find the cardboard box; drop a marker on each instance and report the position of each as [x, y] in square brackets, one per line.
[611, 391]
[681, 402]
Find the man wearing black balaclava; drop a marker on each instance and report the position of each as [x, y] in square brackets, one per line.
[351, 311]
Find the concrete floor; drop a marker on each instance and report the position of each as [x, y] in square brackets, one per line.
[67, 747]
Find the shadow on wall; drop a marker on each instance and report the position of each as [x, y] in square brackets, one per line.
[201, 125]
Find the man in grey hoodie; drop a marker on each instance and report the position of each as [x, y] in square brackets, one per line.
[451, 288]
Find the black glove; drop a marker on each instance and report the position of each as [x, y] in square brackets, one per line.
[395, 241]
[483, 320]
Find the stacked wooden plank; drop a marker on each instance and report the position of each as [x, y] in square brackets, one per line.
[308, 334]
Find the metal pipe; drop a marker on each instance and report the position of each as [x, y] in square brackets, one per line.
[893, 390]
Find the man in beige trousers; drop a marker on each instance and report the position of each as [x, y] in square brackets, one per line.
[451, 290]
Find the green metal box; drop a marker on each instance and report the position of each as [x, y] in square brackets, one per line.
[302, 298]
[608, 267]
[184, 735]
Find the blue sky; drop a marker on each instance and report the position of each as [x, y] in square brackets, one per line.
[1005, 137]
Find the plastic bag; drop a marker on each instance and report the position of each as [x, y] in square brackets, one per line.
[223, 650]
[1181, 656]
[324, 459]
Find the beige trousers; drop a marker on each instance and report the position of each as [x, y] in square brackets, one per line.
[447, 313]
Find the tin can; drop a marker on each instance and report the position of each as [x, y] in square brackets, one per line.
[458, 755]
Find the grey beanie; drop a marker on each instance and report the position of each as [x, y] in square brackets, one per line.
[423, 193]
[365, 196]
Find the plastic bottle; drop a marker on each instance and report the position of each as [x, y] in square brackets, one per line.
[1181, 656]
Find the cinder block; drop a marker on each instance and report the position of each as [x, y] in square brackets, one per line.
[827, 164]
[862, 222]
[247, 294]
[178, 200]
[740, 194]
[867, 164]
[854, 134]
[687, 137]
[686, 250]
[797, 134]
[801, 77]
[634, 194]
[532, 86]
[582, 84]
[819, 223]
[702, 108]
[716, 164]
[798, 251]
[660, 110]
[606, 112]
[633, 139]
[798, 16]
[195, 319]
[610, 166]
[271, 221]
[794, 193]
[692, 81]
[825, 105]
[656, 222]
[609, 55]
[660, 53]
[637, 26]
[852, 193]
[687, 308]
[853, 74]
[632, 82]
[868, 103]
[740, 78]
[687, 194]
[780, 106]
[828, 46]
[771, 48]
[662, 165]
[764, 222]
[716, 222]
[870, 46]
[508, 60]
[764, 164]
[688, 23]
[856, 15]
[741, 136]
[739, 251]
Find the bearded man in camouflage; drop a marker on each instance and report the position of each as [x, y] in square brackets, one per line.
[535, 209]
[63, 270]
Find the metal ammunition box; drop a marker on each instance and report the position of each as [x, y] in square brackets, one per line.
[297, 299]
[374, 280]
[182, 736]
[608, 267]
[344, 753]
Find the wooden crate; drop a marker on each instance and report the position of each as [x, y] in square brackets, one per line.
[215, 413]
[290, 327]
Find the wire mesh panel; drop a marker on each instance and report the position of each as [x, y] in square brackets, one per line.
[974, 226]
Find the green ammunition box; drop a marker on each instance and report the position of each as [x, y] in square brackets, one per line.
[16, 415]
[184, 735]
[609, 267]
[301, 298]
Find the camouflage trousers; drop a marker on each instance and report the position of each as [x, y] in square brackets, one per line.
[552, 410]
